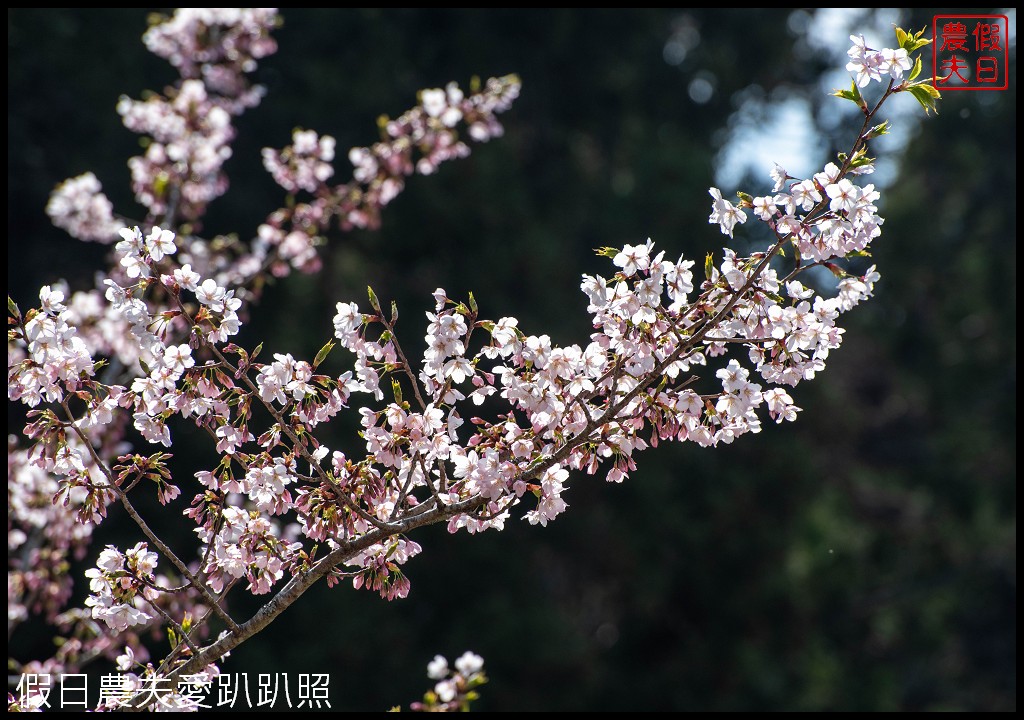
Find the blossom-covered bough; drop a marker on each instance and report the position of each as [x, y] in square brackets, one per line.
[489, 420]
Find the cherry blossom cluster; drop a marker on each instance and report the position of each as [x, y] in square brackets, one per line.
[303, 165]
[64, 485]
[455, 688]
[79, 207]
[61, 488]
[218, 46]
[379, 568]
[119, 584]
[189, 126]
[180, 173]
[868, 64]
[55, 356]
[247, 546]
[191, 131]
[416, 142]
[569, 407]
[576, 407]
[38, 581]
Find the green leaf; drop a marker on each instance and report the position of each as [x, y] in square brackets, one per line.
[860, 158]
[12, 308]
[911, 41]
[160, 184]
[709, 266]
[919, 40]
[926, 95]
[374, 302]
[472, 303]
[396, 388]
[916, 70]
[394, 312]
[853, 94]
[323, 353]
[877, 130]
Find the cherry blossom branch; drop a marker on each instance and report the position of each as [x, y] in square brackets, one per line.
[406, 365]
[164, 549]
[568, 408]
[294, 589]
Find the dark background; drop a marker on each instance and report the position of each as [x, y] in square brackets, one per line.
[863, 558]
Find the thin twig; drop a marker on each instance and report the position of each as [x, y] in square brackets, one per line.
[134, 515]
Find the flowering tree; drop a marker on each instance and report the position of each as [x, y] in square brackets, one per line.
[490, 423]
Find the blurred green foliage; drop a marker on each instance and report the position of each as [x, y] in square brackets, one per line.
[863, 558]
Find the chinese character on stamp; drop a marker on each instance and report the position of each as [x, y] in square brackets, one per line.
[970, 52]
